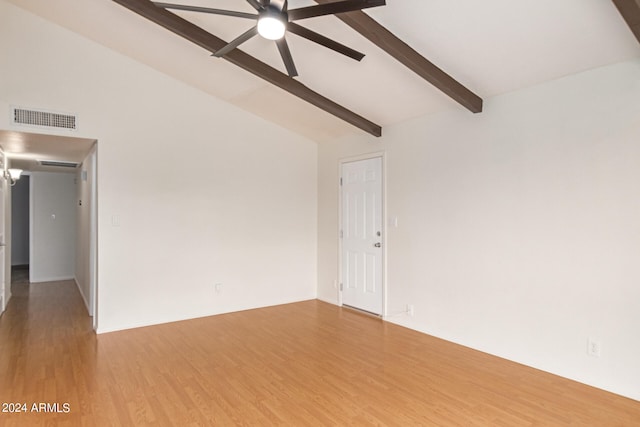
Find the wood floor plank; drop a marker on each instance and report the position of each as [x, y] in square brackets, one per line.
[302, 364]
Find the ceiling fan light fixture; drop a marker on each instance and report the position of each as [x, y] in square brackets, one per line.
[271, 26]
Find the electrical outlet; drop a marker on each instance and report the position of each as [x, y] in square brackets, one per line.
[217, 287]
[410, 310]
[594, 347]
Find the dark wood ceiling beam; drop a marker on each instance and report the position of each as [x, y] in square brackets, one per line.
[208, 41]
[630, 11]
[387, 41]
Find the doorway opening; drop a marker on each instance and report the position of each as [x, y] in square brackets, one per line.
[54, 220]
[20, 231]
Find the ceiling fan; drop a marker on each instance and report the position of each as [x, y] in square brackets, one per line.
[274, 19]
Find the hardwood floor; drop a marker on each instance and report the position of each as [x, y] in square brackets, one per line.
[300, 364]
[20, 274]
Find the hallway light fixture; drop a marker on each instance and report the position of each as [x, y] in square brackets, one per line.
[12, 175]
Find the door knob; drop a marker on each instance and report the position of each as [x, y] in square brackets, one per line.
[377, 245]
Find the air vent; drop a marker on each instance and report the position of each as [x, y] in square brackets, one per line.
[49, 119]
[59, 164]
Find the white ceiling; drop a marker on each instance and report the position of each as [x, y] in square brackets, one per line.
[491, 47]
[24, 150]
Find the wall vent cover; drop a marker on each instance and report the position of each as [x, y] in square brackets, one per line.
[58, 163]
[50, 119]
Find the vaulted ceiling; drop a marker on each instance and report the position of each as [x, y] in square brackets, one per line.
[456, 54]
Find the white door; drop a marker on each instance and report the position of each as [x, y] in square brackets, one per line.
[362, 235]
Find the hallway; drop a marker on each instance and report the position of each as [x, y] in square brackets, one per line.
[48, 349]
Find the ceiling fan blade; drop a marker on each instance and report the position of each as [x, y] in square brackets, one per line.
[324, 41]
[333, 8]
[236, 42]
[285, 53]
[206, 10]
[256, 4]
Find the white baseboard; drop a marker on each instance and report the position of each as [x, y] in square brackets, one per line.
[328, 301]
[84, 298]
[50, 279]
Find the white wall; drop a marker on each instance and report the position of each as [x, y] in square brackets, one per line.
[243, 215]
[20, 221]
[53, 232]
[518, 228]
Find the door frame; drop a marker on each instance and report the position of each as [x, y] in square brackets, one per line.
[5, 223]
[93, 236]
[383, 201]
[93, 303]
